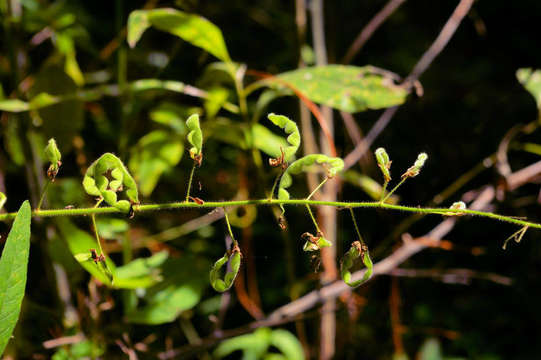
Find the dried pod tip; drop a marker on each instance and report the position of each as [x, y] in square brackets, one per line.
[459, 205]
[416, 168]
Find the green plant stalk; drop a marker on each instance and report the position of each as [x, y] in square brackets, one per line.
[317, 188]
[235, 243]
[384, 189]
[393, 190]
[356, 226]
[313, 218]
[43, 192]
[190, 182]
[266, 202]
[93, 216]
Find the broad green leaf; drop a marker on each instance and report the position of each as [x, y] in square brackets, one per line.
[288, 344]
[80, 242]
[140, 273]
[154, 154]
[14, 105]
[62, 120]
[531, 80]
[13, 269]
[192, 28]
[347, 88]
[430, 350]
[184, 281]
[256, 344]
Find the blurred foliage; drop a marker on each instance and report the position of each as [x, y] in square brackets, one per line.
[123, 77]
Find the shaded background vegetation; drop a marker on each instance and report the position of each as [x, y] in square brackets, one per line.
[471, 100]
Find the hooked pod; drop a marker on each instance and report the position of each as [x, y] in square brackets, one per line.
[234, 257]
[356, 251]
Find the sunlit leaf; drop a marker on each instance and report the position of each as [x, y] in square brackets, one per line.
[192, 28]
[347, 88]
[154, 154]
[531, 80]
[288, 344]
[13, 269]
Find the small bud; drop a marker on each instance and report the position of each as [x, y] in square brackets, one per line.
[416, 168]
[53, 155]
[384, 163]
[459, 205]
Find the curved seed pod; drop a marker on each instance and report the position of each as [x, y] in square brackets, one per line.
[53, 156]
[195, 138]
[334, 166]
[355, 251]
[96, 182]
[234, 259]
[291, 129]
[384, 163]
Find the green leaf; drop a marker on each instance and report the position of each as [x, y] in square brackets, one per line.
[96, 182]
[255, 344]
[3, 199]
[291, 129]
[531, 80]
[192, 28]
[430, 350]
[195, 136]
[288, 344]
[140, 273]
[14, 105]
[172, 115]
[13, 269]
[154, 154]
[182, 288]
[216, 97]
[347, 88]
[265, 140]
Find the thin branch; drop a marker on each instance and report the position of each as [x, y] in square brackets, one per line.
[428, 57]
[452, 276]
[370, 28]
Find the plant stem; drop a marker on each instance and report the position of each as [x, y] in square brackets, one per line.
[383, 198]
[190, 182]
[43, 192]
[393, 190]
[313, 218]
[317, 188]
[229, 228]
[267, 202]
[93, 216]
[356, 226]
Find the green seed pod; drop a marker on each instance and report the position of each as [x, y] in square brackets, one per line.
[291, 129]
[96, 183]
[195, 138]
[355, 251]
[234, 259]
[416, 168]
[53, 156]
[384, 163]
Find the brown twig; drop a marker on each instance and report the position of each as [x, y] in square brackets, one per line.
[428, 57]
[370, 28]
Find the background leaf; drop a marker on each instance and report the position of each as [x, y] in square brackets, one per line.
[13, 268]
[531, 80]
[192, 28]
[347, 88]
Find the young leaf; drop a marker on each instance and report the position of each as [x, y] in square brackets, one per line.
[347, 88]
[195, 137]
[234, 260]
[303, 164]
[355, 251]
[194, 29]
[291, 129]
[96, 183]
[13, 268]
[531, 80]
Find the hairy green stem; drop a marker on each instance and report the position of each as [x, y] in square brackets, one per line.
[235, 243]
[190, 182]
[393, 190]
[313, 218]
[43, 192]
[262, 202]
[356, 226]
[317, 188]
[93, 216]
